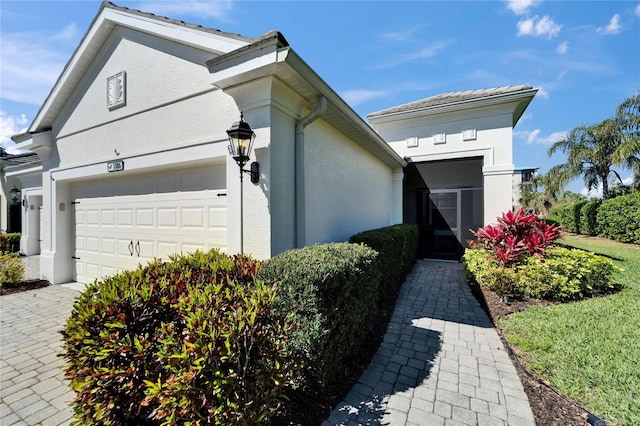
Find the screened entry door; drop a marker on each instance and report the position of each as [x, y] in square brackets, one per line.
[446, 218]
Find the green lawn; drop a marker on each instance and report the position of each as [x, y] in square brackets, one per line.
[589, 350]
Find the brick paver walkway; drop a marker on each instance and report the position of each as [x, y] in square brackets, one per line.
[441, 362]
[33, 390]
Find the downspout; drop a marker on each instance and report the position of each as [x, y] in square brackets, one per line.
[300, 222]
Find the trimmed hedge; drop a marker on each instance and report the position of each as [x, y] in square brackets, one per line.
[619, 218]
[397, 246]
[563, 274]
[10, 243]
[11, 269]
[191, 341]
[588, 217]
[568, 217]
[330, 291]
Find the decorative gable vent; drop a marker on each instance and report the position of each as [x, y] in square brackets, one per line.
[117, 90]
[439, 138]
[469, 135]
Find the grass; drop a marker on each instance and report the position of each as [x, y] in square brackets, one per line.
[589, 350]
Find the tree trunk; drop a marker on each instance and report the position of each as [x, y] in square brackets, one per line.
[605, 188]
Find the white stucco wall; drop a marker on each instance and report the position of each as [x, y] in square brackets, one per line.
[492, 142]
[347, 189]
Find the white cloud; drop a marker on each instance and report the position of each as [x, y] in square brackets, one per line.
[563, 48]
[638, 10]
[68, 33]
[533, 137]
[219, 10]
[542, 93]
[359, 96]
[424, 53]
[9, 126]
[32, 61]
[614, 26]
[520, 7]
[593, 193]
[404, 35]
[538, 27]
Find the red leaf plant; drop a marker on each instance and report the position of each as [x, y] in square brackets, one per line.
[515, 236]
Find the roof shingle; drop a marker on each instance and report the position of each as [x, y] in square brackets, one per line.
[452, 98]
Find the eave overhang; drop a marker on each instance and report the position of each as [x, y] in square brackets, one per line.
[519, 100]
[271, 55]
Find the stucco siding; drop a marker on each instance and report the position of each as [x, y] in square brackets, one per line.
[169, 102]
[347, 189]
[493, 131]
[282, 182]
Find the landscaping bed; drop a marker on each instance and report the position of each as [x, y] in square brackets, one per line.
[11, 288]
[549, 407]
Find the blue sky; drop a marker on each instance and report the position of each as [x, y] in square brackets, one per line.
[584, 56]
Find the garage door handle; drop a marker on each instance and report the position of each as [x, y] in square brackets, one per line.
[138, 248]
[131, 248]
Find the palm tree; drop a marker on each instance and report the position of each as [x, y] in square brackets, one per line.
[545, 191]
[589, 152]
[628, 153]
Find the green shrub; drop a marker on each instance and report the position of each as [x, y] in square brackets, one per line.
[563, 274]
[619, 218]
[568, 217]
[194, 340]
[588, 217]
[11, 269]
[330, 291]
[10, 243]
[396, 246]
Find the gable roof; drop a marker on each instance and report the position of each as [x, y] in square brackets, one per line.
[271, 54]
[451, 101]
[109, 17]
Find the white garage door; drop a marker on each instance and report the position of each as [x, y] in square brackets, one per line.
[118, 232]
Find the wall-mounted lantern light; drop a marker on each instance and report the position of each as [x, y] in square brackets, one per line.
[241, 139]
[15, 195]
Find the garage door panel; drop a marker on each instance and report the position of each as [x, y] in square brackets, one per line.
[190, 248]
[108, 246]
[192, 217]
[125, 216]
[92, 245]
[92, 217]
[167, 248]
[168, 217]
[144, 217]
[151, 226]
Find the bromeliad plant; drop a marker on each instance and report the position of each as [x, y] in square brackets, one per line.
[516, 236]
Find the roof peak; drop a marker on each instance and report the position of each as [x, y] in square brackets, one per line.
[109, 5]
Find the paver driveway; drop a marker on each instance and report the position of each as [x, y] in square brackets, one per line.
[32, 389]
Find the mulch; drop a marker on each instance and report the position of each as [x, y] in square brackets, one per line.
[11, 288]
[548, 406]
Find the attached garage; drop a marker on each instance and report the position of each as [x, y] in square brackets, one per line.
[135, 153]
[120, 223]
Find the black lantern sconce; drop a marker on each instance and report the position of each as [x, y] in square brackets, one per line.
[241, 139]
[15, 195]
